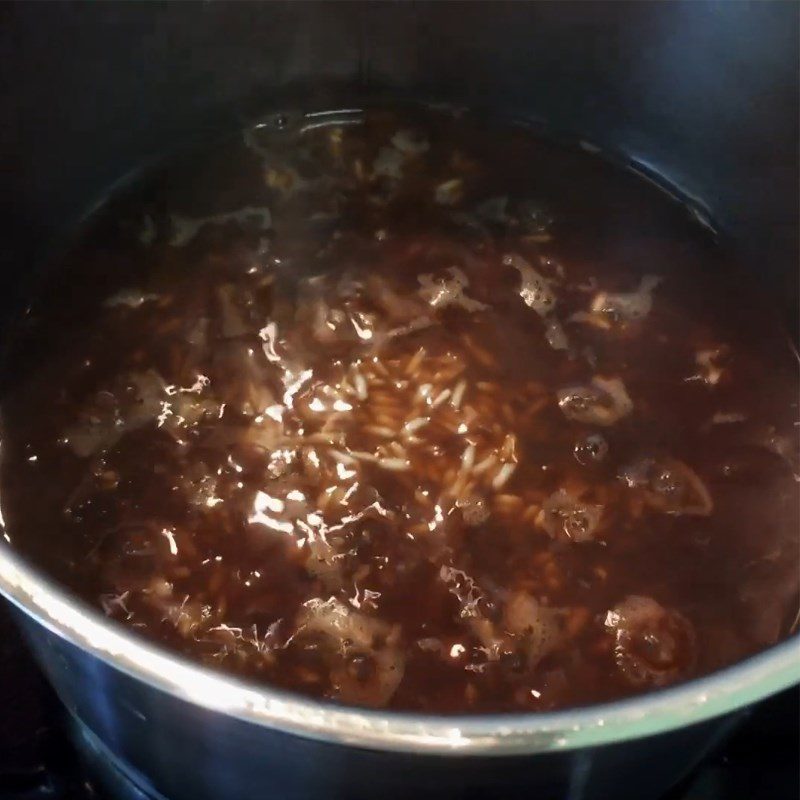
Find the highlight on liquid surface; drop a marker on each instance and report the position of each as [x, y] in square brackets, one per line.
[409, 411]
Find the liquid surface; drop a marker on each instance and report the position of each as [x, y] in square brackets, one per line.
[410, 412]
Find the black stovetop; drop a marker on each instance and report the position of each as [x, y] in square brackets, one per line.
[759, 761]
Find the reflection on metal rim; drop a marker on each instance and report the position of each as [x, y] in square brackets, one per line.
[495, 734]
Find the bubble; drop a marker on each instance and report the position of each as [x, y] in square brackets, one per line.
[591, 450]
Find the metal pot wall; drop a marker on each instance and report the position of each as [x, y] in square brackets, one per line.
[705, 94]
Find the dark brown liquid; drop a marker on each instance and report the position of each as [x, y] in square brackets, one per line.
[409, 439]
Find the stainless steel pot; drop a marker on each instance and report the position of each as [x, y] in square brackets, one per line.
[704, 93]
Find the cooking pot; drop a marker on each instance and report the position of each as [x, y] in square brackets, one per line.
[699, 97]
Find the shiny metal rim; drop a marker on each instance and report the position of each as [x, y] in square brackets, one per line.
[492, 734]
[721, 692]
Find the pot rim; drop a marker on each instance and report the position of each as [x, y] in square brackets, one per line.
[491, 734]
[82, 625]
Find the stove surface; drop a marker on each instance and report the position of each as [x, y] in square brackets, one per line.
[38, 761]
